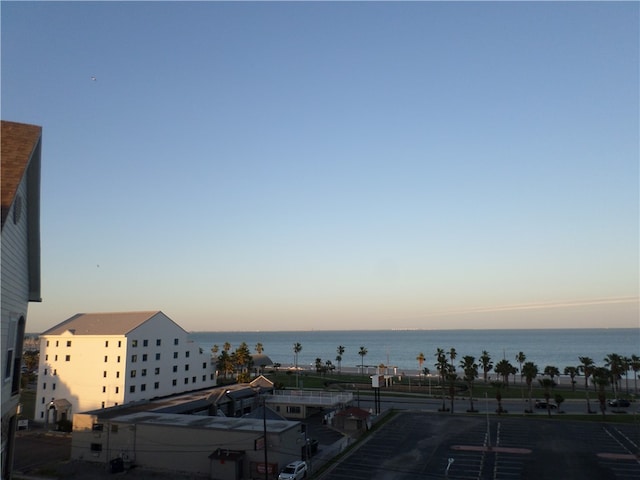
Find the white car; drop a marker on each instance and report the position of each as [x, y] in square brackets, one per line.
[294, 471]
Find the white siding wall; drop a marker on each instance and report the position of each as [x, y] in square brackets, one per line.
[180, 361]
[15, 293]
[81, 379]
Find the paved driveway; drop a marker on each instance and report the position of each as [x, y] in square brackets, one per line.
[423, 445]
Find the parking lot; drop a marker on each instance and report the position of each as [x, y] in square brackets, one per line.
[424, 445]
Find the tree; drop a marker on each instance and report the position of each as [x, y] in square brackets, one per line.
[614, 363]
[530, 372]
[504, 369]
[259, 348]
[242, 358]
[442, 366]
[362, 352]
[552, 372]
[319, 365]
[600, 378]
[420, 358]
[498, 386]
[340, 351]
[586, 368]
[224, 363]
[215, 349]
[226, 347]
[486, 364]
[572, 372]
[520, 358]
[559, 399]
[548, 384]
[297, 348]
[470, 369]
[635, 366]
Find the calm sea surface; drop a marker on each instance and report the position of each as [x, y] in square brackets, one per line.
[399, 348]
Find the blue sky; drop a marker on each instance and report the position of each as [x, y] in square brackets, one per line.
[278, 166]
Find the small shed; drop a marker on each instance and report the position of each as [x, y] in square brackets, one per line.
[352, 420]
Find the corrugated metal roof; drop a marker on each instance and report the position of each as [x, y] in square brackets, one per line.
[111, 323]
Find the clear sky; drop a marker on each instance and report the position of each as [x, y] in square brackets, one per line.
[288, 166]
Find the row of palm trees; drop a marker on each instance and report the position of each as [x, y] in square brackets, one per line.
[611, 373]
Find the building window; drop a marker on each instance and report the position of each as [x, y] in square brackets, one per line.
[157, 371]
[145, 343]
[175, 368]
[55, 359]
[133, 373]
[53, 386]
[96, 447]
[186, 367]
[44, 386]
[102, 404]
[132, 389]
[46, 356]
[106, 343]
[104, 374]
[67, 358]
[175, 341]
[104, 389]
[68, 343]
[144, 357]
[117, 389]
[156, 385]
[186, 354]
[158, 342]
[143, 387]
[143, 372]
[204, 378]
[134, 358]
[97, 427]
[47, 343]
[157, 356]
[117, 374]
[55, 372]
[119, 343]
[293, 409]
[42, 399]
[175, 354]
[186, 380]
[204, 364]
[118, 358]
[45, 371]
[57, 343]
[134, 343]
[174, 382]
[106, 358]
[193, 379]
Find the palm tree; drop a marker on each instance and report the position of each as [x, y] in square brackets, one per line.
[486, 364]
[362, 352]
[520, 358]
[614, 363]
[635, 366]
[215, 349]
[572, 372]
[504, 369]
[259, 348]
[226, 347]
[626, 366]
[340, 351]
[297, 348]
[548, 384]
[586, 368]
[552, 372]
[498, 386]
[601, 376]
[530, 372]
[442, 366]
[420, 358]
[470, 369]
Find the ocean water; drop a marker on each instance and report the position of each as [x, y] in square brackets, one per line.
[399, 348]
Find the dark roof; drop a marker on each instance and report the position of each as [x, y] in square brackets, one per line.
[354, 412]
[19, 143]
[111, 323]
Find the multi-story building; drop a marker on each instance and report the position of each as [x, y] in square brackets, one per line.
[99, 360]
[20, 245]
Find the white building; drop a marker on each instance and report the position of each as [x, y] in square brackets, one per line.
[99, 360]
[20, 245]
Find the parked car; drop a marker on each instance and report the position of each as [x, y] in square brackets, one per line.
[545, 405]
[294, 471]
[619, 402]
